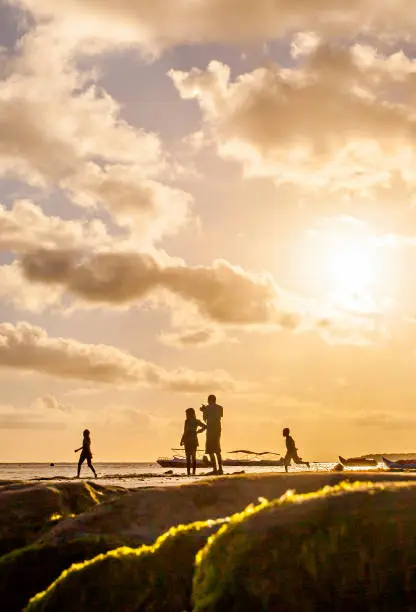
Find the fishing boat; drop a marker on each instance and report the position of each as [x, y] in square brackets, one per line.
[252, 459]
[357, 462]
[180, 462]
[401, 464]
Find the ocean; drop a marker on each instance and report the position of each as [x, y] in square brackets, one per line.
[129, 475]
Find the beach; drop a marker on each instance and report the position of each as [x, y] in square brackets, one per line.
[136, 549]
[130, 475]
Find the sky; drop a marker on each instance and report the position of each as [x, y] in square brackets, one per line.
[207, 196]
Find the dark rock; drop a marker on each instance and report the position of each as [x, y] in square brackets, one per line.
[346, 548]
[27, 571]
[29, 510]
[147, 513]
[148, 579]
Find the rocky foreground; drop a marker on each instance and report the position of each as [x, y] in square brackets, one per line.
[225, 544]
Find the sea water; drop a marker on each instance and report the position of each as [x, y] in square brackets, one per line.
[129, 475]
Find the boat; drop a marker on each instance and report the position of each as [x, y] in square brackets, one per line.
[180, 461]
[357, 462]
[401, 464]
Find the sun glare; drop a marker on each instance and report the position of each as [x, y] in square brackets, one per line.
[346, 260]
[351, 267]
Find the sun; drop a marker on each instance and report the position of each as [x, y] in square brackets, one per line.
[351, 266]
[345, 259]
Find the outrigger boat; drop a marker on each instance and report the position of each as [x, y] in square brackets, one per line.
[401, 464]
[179, 461]
[357, 462]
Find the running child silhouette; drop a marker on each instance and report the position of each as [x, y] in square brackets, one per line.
[190, 438]
[291, 450]
[86, 453]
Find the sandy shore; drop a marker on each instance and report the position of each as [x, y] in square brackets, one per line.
[46, 527]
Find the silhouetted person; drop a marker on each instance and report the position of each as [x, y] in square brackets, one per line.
[212, 415]
[190, 438]
[292, 451]
[86, 453]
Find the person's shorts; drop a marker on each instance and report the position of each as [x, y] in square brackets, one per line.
[212, 444]
[85, 457]
[190, 449]
[292, 456]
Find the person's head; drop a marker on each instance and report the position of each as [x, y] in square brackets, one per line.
[286, 431]
[86, 433]
[190, 413]
[212, 399]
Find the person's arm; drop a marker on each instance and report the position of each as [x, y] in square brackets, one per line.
[183, 435]
[204, 413]
[78, 449]
[202, 427]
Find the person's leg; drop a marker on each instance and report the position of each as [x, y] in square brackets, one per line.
[213, 462]
[90, 465]
[80, 462]
[219, 461]
[188, 463]
[194, 463]
[298, 460]
[287, 461]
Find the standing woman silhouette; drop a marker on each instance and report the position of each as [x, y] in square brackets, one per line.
[86, 453]
[189, 439]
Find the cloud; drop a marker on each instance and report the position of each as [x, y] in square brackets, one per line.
[88, 151]
[155, 25]
[384, 420]
[222, 292]
[25, 226]
[49, 402]
[18, 421]
[304, 43]
[39, 415]
[29, 348]
[136, 202]
[26, 296]
[341, 119]
[190, 338]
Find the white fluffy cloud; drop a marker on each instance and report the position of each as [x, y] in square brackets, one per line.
[344, 119]
[26, 296]
[59, 128]
[25, 226]
[29, 348]
[155, 25]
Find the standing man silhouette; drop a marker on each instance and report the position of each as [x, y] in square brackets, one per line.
[212, 415]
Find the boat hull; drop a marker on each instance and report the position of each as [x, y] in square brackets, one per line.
[400, 465]
[181, 463]
[357, 462]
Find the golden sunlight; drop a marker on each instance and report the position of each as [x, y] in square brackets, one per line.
[344, 260]
[351, 266]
